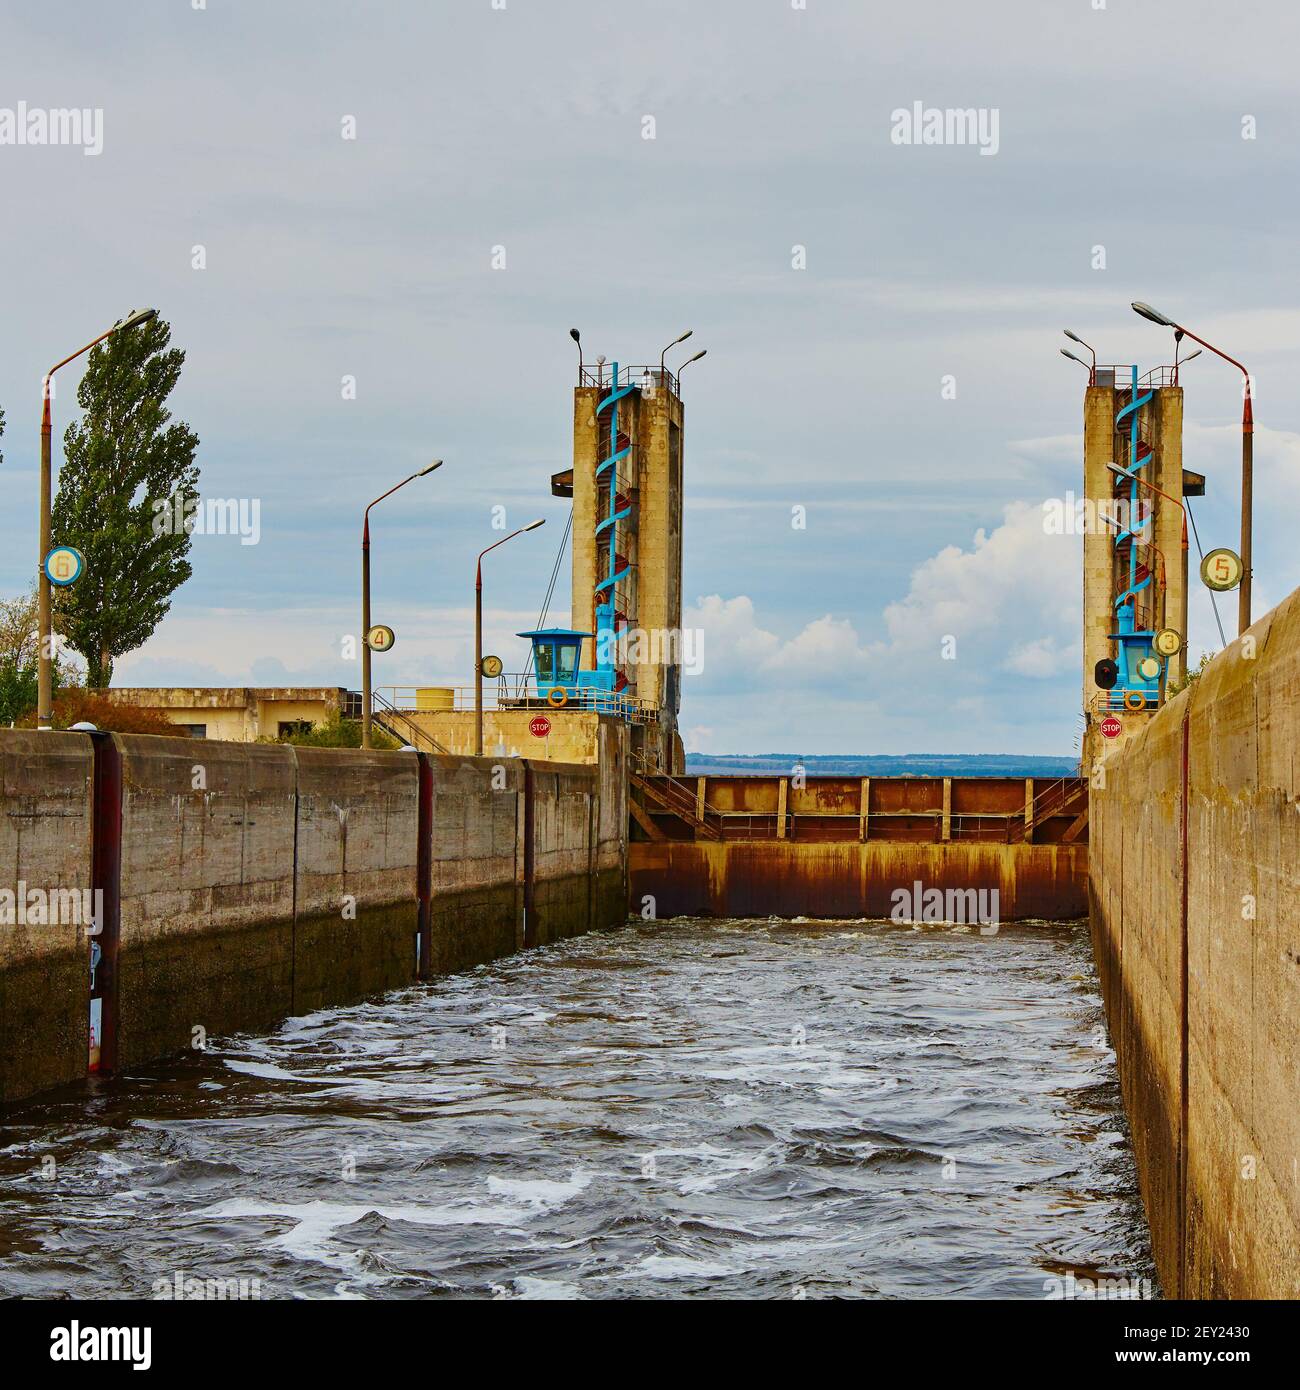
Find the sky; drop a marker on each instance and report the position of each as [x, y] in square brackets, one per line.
[423, 198]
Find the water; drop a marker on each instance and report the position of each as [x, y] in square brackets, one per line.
[735, 1109]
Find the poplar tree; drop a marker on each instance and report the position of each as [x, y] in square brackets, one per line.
[119, 459]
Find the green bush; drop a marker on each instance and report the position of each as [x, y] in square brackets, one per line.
[336, 732]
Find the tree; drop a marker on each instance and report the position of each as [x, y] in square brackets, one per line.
[20, 641]
[121, 461]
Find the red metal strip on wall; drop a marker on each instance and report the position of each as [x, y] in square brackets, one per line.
[424, 866]
[106, 879]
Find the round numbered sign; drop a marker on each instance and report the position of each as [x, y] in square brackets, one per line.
[63, 565]
[1221, 569]
[1168, 641]
[491, 667]
[380, 638]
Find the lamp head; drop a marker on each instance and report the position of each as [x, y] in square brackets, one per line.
[576, 336]
[1154, 315]
[437, 463]
[703, 352]
[141, 316]
[1074, 337]
[1065, 352]
[533, 525]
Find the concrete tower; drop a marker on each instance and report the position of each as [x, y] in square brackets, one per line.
[1135, 568]
[626, 486]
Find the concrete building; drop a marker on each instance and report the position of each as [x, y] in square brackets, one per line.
[626, 484]
[238, 714]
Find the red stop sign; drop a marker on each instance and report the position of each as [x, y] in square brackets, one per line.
[539, 726]
[1111, 727]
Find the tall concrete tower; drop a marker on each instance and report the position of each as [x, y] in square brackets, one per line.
[1135, 568]
[626, 486]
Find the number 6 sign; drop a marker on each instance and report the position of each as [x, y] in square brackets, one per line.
[1221, 569]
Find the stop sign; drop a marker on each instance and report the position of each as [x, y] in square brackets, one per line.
[539, 726]
[1111, 727]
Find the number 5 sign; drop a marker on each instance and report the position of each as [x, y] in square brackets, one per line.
[1221, 569]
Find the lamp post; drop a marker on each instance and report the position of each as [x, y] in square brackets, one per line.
[702, 353]
[478, 632]
[365, 600]
[1092, 376]
[1092, 371]
[1182, 598]
[1247, 457]
[668, 349]
[45, 657]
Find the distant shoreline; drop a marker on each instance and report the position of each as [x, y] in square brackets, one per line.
[882, 764]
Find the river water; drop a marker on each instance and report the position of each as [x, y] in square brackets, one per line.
[720, 1109]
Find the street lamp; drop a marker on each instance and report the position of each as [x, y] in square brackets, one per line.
[45, 660]
[478, 632]
[1092, 371]
[702, 352]
[1247, 457]
[668, 349]
[1178, 339]
[577, 338]
[365, 600]
[1065, 352]
[1182, 600]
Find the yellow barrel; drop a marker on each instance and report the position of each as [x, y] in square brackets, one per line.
[435, 697]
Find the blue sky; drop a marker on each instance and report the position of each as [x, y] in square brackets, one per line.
[521, 127]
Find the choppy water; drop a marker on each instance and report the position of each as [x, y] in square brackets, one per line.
[753, 1109]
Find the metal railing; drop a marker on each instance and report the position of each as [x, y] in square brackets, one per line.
[1112, 702]
[513, 691]
[646, 378]
[393, 721]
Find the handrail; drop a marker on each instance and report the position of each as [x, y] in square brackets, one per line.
[516, 691]
[636, 376]
[411, 731]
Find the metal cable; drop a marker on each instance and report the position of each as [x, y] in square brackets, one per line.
[1213, 599]
[550, 592]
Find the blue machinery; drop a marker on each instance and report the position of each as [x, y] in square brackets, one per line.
[1140, 670]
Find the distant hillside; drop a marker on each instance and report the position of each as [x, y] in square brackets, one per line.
[882, 765]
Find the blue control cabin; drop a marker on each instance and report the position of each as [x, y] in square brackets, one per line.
[560, 679]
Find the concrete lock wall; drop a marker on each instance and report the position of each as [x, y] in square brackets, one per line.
[1195, 911]
[45, 846]
[244, 883]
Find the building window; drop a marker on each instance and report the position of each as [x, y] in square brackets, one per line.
[195, 730]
